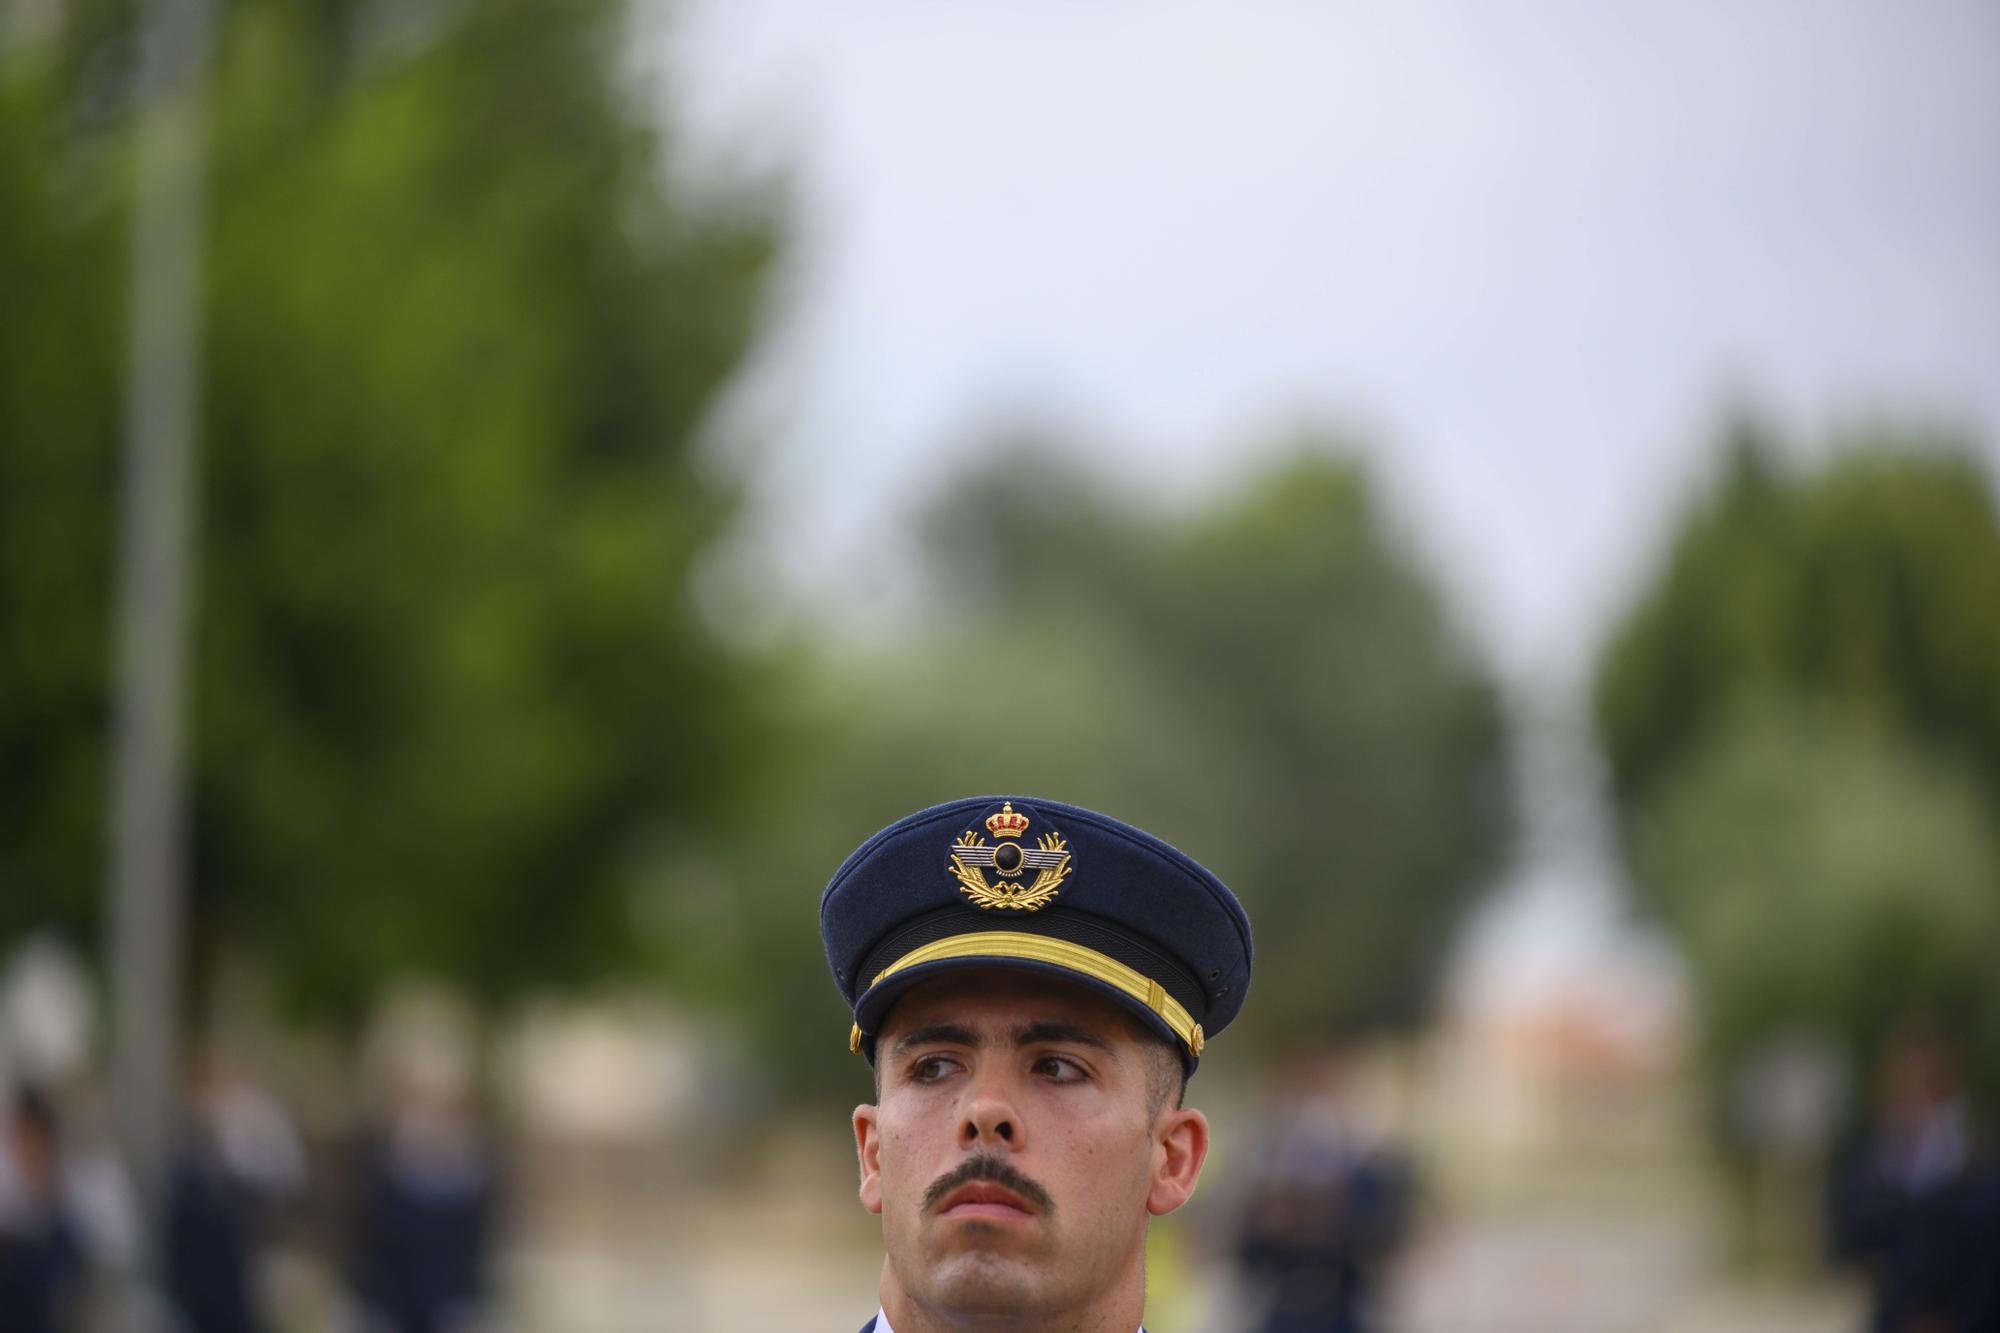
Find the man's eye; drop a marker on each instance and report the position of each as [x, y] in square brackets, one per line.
[1060, 1069]
[931, 1068]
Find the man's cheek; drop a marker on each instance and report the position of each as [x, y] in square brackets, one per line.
[898, 1185]
[903, 1139]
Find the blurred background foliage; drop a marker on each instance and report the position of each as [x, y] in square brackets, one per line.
[1269, 676]
[461, 333]
[1802, 717]
[456, 716]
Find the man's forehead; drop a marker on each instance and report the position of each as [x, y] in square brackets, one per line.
[992, 1002]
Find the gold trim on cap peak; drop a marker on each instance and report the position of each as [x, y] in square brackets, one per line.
[1059, 953]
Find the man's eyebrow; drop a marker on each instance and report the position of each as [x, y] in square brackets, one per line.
[931, 1033]
[1053, 1031]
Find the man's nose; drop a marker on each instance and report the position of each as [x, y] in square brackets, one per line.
[990, 1117]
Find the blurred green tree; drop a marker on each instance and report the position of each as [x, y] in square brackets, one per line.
[1269, 679]
[463, 325]
[1826, 875]
[1871, 581]
[1803, 727]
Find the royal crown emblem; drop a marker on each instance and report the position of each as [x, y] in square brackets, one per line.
[972, 856]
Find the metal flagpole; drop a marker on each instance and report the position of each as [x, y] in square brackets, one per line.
[156, 534]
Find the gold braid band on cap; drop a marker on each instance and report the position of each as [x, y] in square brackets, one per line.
[1060, 953]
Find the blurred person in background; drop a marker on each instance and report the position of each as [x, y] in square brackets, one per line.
[1033, 984]
[1323, 1210]
[41, 1254]
[426, 1210]
[241, 1168]
[1917, 1206]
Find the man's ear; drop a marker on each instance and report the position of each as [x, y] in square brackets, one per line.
[868, 1148]
[1180, 1146]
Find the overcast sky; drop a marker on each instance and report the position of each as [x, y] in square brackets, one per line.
[1530, 248]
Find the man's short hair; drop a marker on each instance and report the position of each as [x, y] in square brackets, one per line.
[1166, 1076]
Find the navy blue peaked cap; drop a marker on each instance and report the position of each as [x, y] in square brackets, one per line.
[1020, 882]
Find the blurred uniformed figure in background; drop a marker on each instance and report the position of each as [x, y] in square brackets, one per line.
[41, 1252]
[427, 1209]
[1917, 1206]
[1323, 1210]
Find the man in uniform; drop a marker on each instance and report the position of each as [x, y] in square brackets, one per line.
[1033, 984]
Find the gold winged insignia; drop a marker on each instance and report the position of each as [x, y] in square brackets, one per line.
[1048, 858]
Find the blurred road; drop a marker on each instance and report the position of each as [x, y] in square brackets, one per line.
[1597, 1271]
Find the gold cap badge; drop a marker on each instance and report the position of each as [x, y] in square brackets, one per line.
[972, 856]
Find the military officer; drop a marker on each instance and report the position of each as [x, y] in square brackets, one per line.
[1032, 984]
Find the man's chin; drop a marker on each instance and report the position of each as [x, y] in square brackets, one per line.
[983, 1274]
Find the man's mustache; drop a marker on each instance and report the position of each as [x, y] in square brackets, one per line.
[994, 1170]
